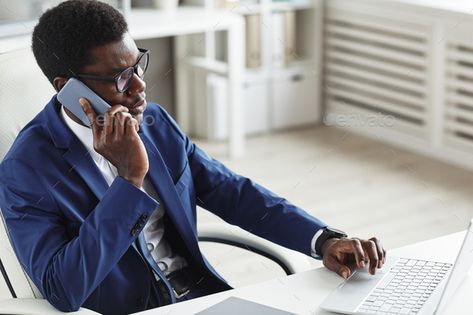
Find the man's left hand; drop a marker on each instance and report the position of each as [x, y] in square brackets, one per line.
[346, 254]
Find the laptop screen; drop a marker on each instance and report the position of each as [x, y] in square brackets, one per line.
[460, 269]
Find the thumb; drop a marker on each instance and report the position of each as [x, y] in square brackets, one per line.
[332, 263]
[84, 103]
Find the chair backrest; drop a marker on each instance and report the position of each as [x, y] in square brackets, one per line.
[24, 91]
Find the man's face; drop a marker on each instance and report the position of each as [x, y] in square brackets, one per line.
[109, 60]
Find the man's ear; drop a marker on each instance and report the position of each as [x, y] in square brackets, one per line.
[59, 82]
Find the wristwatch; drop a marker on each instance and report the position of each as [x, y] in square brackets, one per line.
[327, 234]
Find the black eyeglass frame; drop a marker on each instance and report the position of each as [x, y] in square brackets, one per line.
[144, 52]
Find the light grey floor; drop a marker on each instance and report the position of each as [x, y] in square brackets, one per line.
[356, 184]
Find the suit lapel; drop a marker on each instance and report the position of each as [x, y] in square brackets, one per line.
[80, 160]
[75, 152]
[162, 181]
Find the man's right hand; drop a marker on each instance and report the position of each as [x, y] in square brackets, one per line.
[116, 138]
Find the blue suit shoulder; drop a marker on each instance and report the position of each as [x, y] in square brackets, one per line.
[157, 118]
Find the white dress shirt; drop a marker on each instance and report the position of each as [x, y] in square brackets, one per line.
[159, 248]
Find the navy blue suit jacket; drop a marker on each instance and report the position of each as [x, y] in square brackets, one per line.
[73, 233]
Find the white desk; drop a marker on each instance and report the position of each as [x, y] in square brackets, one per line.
[302, 293]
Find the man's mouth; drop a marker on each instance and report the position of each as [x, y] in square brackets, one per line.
[138, 108]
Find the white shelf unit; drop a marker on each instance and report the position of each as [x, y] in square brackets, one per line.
[276, 93]
[402, 72]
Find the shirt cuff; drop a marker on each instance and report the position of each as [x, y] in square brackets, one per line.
[312, 244]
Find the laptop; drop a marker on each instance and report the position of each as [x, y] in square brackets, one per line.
[403, 286]
[237, 306]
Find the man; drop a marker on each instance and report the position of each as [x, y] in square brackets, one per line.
[105, 217]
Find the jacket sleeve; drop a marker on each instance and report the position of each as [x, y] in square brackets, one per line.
[242, 202]
[68, 269]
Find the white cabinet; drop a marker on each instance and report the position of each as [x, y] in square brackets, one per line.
[294, 99]
[256, 106]
[289, 99]
[211, 114]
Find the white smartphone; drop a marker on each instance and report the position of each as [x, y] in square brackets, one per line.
[74, 90]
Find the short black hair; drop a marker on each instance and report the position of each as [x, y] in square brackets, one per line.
[66, 33]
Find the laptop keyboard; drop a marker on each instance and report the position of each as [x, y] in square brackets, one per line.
[406, 287]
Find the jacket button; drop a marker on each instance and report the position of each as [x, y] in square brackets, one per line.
[142, 219]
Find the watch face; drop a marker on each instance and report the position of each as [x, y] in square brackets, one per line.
[335, 232]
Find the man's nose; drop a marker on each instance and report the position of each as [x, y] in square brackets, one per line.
[137, 86]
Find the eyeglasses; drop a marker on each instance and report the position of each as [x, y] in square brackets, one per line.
[123, 79]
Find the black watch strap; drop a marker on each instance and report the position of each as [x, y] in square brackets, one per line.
[327, 234]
